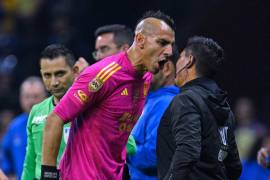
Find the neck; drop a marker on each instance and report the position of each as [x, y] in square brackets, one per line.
[170, 81]
[55, 100]
[191, 76]
[136, 59]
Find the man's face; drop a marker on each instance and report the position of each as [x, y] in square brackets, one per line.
[105, 46]
[31, 94]
[57, 76]
[181, 73]
[157, 46]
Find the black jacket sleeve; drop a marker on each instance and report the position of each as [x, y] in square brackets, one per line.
[232, 162]
[186, 129]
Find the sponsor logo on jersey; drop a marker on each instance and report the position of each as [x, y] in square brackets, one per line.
[127, 121]
[81, 96]
[124, 92]
[39, 119]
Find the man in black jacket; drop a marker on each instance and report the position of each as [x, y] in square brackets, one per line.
[195, 136]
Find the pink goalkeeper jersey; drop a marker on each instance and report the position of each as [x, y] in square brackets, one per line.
[105, 101]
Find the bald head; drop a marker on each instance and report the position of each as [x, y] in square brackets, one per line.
[32, 91]
[152, 19]
[154, 37]
[151, 25]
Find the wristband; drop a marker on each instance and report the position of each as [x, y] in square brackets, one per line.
[49, 172]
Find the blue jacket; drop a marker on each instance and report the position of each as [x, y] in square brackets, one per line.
[252, 170]
[13, 146]
[143, 164]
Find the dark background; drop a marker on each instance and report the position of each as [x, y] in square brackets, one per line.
[242, 28]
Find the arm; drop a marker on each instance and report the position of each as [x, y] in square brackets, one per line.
[29, 161]
[51, 139]
[186, 129]
[81, 95]
[145, 156]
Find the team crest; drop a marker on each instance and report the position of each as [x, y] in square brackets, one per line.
[95, 84]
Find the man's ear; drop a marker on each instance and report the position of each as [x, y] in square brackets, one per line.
[168, 68]
[191, 61]
[75, 70]
[79, 66]
[140, 40]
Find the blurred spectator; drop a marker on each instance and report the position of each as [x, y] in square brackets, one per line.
[13, 144]
[249, 128]
[265, 107]
[60, 30]
[8, 61]
[112, 39]
[251, 169]
[22, 8]
[6, 115]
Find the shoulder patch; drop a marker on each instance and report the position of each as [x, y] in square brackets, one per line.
[104, 74]
[95, 84]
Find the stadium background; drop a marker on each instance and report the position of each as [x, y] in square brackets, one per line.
[242, 28]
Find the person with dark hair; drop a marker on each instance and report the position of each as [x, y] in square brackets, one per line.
[112, 39]
[13, 144]
[58, 70]
[196, 134]
[114, 91]
[143, 164]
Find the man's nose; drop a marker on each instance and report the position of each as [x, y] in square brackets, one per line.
[168, 50]
[55, 81]
[100, 55]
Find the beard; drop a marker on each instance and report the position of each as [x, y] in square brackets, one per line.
[155, 68]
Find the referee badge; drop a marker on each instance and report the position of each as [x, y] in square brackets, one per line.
[95, 84]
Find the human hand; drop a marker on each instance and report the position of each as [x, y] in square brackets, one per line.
[3, 176]
[80, 65]
[262, 156]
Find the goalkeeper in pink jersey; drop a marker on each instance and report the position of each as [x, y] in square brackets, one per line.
[103, 105]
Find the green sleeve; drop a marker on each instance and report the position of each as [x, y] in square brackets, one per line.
[29, 161]
[131, 145]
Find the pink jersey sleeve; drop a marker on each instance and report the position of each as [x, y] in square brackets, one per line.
[88, 89]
